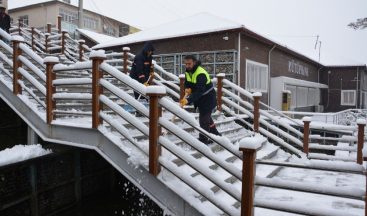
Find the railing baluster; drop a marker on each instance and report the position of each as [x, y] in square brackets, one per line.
[154, 93]
[19, 27]
[50, 88]
[306, 134]
[97, 59]
[125, 58]
[182, 86]
[16, 64]
[63, 41]
[361, 125]
[46, 42]
[256, 96]
[81, 49]
[49, 28]
[59, 23]
[220, 78]
[248, 180]
[33, 39]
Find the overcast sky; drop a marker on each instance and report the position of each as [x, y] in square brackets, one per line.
[294, 23]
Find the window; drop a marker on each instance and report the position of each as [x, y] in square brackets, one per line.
[68, 16]
[303, 96]
[24, 20]
[364, 100]
[256, 76]
[348, 97]
[90, 23]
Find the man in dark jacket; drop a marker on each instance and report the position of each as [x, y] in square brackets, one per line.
[140, 69]
[200, 89]
[4, 19]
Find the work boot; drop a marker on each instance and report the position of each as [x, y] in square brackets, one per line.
[205, 140]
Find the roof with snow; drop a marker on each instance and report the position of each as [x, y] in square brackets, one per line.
[207, 23]
[94, 36]
[193, 25]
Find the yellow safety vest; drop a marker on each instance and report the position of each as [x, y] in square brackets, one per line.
[192, 77]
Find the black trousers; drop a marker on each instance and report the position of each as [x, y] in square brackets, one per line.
[137, 95]
[206, 122]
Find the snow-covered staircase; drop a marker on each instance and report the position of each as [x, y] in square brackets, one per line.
[202, 180]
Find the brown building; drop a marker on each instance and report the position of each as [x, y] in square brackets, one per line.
[254, 62]
[40, 14]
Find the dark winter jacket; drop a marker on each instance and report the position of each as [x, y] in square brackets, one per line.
[141, 66]
[203, 95]
[5, 22]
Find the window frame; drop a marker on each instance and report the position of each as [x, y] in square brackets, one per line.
[248, 61]
[342, 99]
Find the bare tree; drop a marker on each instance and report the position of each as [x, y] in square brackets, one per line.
[359, 24]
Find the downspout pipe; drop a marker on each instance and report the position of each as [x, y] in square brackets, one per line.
[269, 76]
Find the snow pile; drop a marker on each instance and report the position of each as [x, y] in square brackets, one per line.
[361, 121]
[254, 142]
[97, 54]
[51, 59]
[155, 90]
[17, 38]
[257, 94]
[21, 153]
[306, 119]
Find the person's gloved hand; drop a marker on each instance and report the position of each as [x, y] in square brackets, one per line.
[146, 83]
[183, 102]
[188, 91]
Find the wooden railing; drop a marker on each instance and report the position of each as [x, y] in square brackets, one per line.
[97, 64]
[249, 200]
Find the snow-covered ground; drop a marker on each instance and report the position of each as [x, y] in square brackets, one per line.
[21, 152]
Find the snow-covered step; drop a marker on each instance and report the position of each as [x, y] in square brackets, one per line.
[331, 157]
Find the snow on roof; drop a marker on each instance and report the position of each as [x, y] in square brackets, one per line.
[96, 37]
[197, 24]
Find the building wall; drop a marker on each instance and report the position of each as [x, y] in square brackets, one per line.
[338, 79]
[42, 14]
[38, 16]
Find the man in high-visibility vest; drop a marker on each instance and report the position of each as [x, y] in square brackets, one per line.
[200, 89]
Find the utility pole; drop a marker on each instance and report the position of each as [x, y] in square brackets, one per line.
[80, 14]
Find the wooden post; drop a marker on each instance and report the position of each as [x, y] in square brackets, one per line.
[81, 49]
[256, 96]
[361, 125]
[97, 89]
[46, 41]
[19, 27]
[306, 134]
[248, 181]
[154, 93]
[17, 89]
[59, 23]
[151, 74]
[365, 197]
[50, 88]
[63, 41]
[125, 58]
[49, 28]
[220, 78]
[182, 86]
[33, 39]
